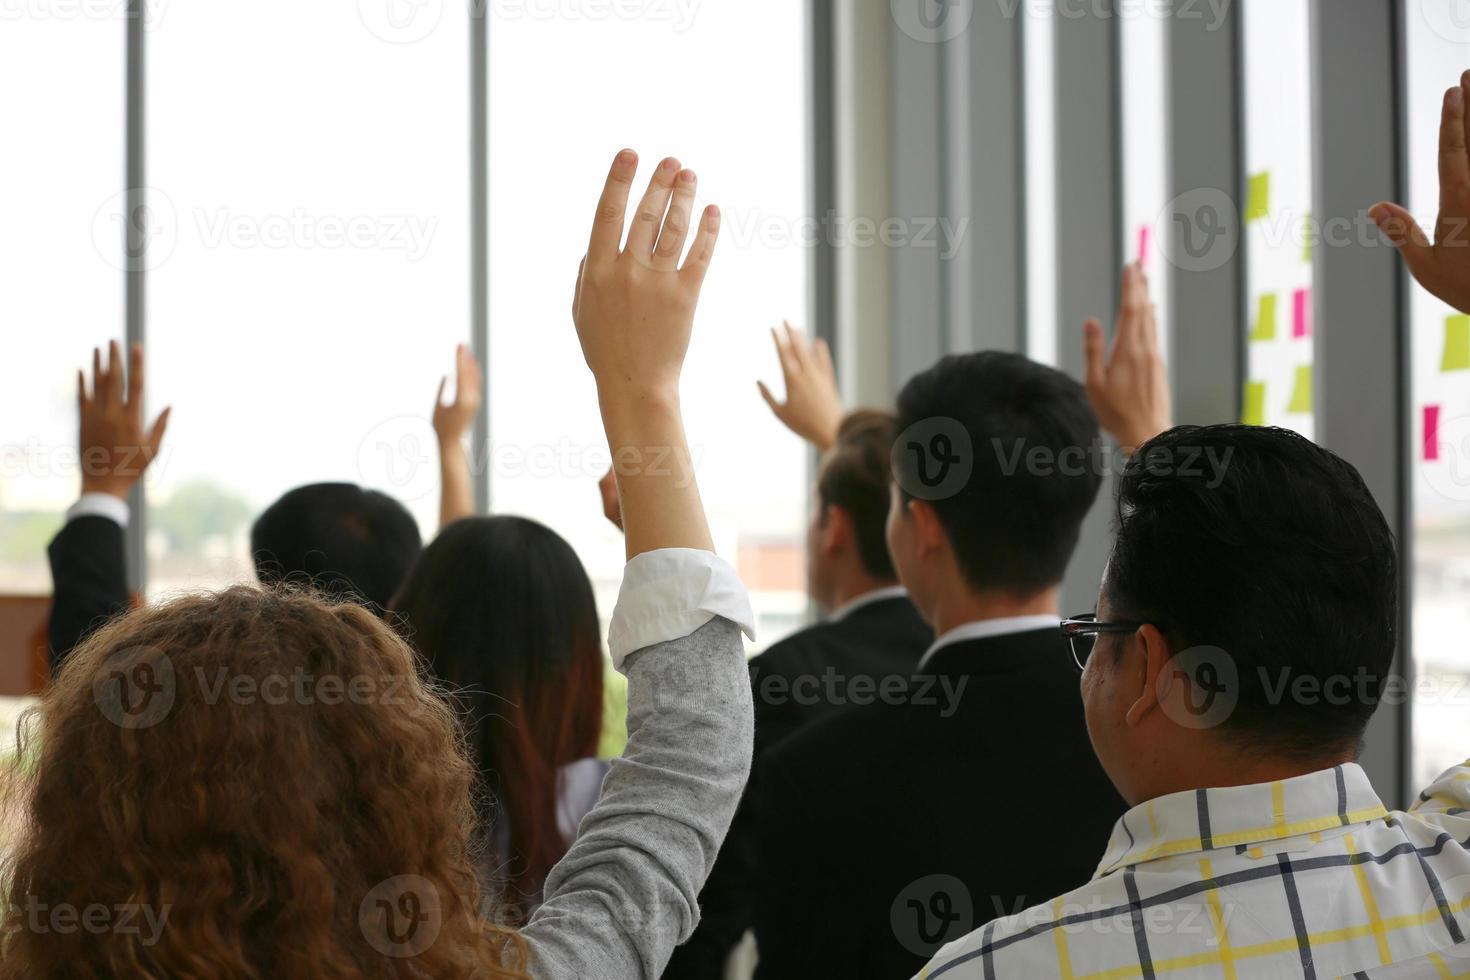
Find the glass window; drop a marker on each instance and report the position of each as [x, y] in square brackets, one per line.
[684, 86]
[1438, 45]
[61, 257]
[309, 172]
[1277, 214]
[1039, 43]
[1142, 39]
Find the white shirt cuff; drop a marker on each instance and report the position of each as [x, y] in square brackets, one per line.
[100, 505]
[670, 593]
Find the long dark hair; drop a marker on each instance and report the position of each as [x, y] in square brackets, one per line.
[502, 612]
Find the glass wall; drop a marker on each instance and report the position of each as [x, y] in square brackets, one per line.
[1143, 35]
[554, 126]
[1277, 213]
[1039, 40]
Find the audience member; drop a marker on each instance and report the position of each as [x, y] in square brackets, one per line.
[502, 613]
[885, 829]
[453, 421]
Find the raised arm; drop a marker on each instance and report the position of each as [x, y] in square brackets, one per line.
[1443, 265]
[627, 891]
[452, 421]
[1128, 386]
[813, 405]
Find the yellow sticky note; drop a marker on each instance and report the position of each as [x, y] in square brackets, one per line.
[1258, 203]
[1456, 344]
[1309, 232]
[1265, 328]
[1301, 398]
[1255, 403]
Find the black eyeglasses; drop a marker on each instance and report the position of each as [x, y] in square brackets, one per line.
[1082, 632]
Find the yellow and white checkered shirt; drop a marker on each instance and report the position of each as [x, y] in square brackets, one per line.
[1305, 877]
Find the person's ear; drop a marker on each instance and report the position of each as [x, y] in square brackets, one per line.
[929, 532]
[836, 530]
[1151, 655]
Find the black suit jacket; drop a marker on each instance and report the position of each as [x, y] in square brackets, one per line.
[885, 832]
[89, 581]
[813, 674]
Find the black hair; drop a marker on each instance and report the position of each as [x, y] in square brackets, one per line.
[854, 475]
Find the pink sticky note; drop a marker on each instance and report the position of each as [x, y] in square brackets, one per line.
[1302, 315]
[1143, 236]
[1431, 433]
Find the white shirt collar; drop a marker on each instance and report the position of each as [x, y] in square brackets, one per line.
[867, 599]
[983, 629]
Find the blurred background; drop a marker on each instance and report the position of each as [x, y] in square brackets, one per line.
[302, 208]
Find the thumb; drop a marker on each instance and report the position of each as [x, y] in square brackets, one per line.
[439, 395]
[770, 399]
[1406, 235]
[1094, 347]
[155, 435]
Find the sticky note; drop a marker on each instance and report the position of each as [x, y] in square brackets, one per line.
[1255, 403]
[1265, 328]
[1431, 433]
[1309, 238]
[1456, 344]
[1258, 200]
[1301, 397]
[1143, 237]
[1301, 317]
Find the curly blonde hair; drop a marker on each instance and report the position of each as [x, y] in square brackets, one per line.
[262, 785]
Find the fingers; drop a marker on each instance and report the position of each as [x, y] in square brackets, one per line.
[824, 358]
[1454, 161]
[81, 389]
[651, 210]
[114, 375]
[1407, 237]
[800, 349]
[676, 226]
[135, 380]
[467, 373]
[775, 406]
[1094, 347]
[1134, 311]
[607, 226]
[155, 435]
[790, 363]
[439, 395]
[696, 266]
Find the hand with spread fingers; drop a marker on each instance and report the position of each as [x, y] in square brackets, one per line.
[1129, 386]
[813, 406]
[452, 420]
[1443, 265]
[634, 312]
[115, 445]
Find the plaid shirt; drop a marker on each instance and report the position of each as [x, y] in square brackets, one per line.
[1305, 877]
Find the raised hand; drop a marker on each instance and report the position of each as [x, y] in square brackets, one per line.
[451, 421]
[1129, 388]
[813, 406]
[115, 445]
[634, 311]
[1441, 266]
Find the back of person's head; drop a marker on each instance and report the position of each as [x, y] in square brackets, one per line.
[263, 785]
[503, 614]
[1014, 523]
[346, 542]
[855, 476]
[1271, 549]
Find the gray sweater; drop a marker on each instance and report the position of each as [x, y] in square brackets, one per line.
[627, 891]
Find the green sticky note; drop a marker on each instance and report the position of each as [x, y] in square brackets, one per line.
[1258, 203]
[1265, 328]
[1456, 344]
[1301, 398]
[1255, 403]
[1309, 232]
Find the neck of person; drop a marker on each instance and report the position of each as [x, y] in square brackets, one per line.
[956, 606]
[1203, 760]
[852, 584]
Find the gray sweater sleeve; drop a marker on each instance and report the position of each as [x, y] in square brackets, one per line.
[627, 891]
